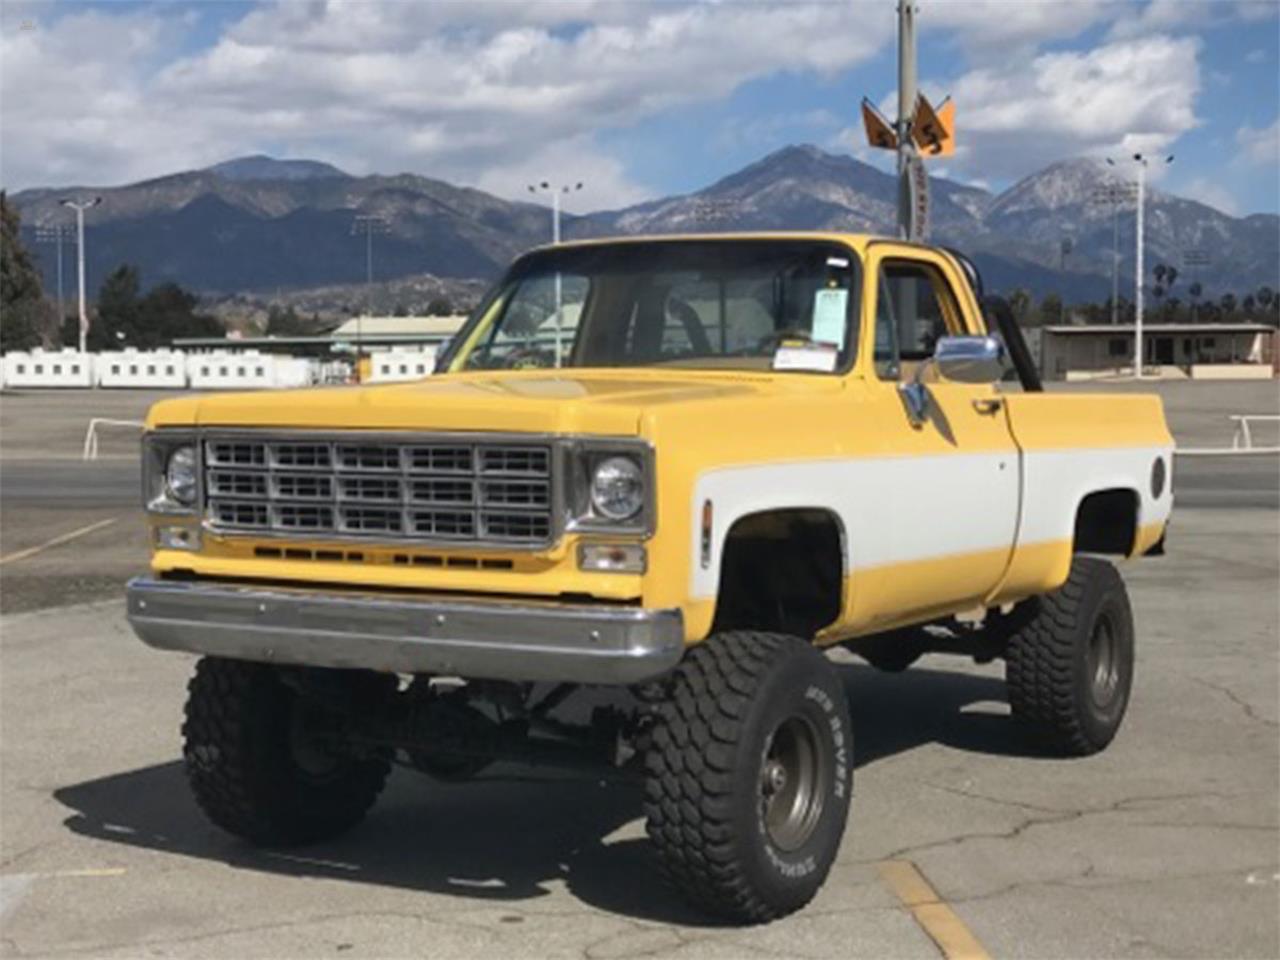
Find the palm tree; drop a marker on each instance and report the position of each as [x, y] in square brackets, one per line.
[1228, 304]
[1248, 304]
[1265, 296]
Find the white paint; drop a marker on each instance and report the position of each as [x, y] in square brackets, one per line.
[13, 890]
[902, 509]
[892, 509]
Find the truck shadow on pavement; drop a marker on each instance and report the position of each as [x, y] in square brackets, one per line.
[510, 833]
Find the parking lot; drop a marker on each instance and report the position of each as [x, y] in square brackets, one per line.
[1165, 845]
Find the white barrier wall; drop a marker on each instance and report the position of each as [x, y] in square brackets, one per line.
[248, 370]
[171, 369]
[141, 368]
[401, 364]
[53, 368]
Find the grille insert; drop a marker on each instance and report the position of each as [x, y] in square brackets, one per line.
[446, 490]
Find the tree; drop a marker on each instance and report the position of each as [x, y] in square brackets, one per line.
[1248, 304]
[284, 323]
[24, 314]
[167, 313]
[1020, 305]
[439, 307]
[1051, 309]
[1265, 297]
[126, 318]
[1228, 305]
[117, 318]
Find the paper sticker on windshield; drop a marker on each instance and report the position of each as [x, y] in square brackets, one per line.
[819, 357]
[830, 307]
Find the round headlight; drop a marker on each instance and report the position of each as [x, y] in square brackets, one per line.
[180, 475]
[617, 488]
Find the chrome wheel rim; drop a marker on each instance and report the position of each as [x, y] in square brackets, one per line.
[795, 778]
[1104, 662]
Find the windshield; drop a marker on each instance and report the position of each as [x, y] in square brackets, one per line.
[741, 304]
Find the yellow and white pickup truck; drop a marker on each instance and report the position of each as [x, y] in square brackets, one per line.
[678, 467]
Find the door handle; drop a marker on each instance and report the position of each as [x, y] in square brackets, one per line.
[988, 405]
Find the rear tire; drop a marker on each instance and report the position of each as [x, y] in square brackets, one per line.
[749, 775]
[1069, 664]
[254, 769]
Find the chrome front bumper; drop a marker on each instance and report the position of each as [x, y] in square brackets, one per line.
[468, 637]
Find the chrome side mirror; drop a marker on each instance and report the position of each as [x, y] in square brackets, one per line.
[970, 359]
[959, 359]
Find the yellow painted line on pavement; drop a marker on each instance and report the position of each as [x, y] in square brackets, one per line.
[57, 541]
[936, 918]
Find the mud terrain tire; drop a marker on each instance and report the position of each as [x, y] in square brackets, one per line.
[1069, 665]
[249, 771]
[749, 774]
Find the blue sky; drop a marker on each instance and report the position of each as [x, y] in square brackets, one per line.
[637, 100]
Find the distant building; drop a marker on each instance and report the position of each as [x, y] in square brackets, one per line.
[1234, 351]
[388, 329]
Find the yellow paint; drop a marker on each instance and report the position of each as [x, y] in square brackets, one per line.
[57, 541]
[699, 420]
[935, 916]
[543, 574]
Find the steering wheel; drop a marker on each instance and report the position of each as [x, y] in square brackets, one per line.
[528, 358]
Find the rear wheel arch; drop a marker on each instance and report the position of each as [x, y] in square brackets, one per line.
[782, 569]
[1106, 522]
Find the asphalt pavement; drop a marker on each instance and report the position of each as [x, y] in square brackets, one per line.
[1165, 845]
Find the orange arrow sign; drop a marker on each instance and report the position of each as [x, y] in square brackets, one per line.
[934, 131]
[879, 131]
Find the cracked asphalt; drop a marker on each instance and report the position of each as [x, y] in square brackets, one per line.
[1165, 845]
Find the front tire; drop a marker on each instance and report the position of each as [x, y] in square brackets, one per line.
[255, 770]
[749, 775]
[1069, 663]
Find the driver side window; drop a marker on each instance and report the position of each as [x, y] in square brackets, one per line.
[914, 309]
[525, 332]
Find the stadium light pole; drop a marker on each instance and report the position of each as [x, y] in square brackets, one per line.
[1115, 195]
[80, 206]
[556, 192]
[1142, 162]
[56, 234]
[367, 224]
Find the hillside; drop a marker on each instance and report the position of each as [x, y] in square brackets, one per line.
[260, 226]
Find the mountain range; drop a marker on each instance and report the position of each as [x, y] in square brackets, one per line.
[257, 224]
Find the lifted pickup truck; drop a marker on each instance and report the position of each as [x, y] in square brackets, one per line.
[677, 467]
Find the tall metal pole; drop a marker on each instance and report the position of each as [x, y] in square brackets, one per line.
[1140, 277]
[56, 235]
[1115, 264]
[80, 206]
[906, 110]
[62, 310]
[545, 186]
[368, 224]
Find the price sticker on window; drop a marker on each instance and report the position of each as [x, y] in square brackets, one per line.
[830, 307]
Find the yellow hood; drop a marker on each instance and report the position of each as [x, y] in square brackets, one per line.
[606, 402]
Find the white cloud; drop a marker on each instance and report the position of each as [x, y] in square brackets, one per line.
[984, 26]
[1211, 193]
[471, 92]
[1260, 147]
[1124, 96]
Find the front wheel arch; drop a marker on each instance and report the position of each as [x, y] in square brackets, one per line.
[782, 570]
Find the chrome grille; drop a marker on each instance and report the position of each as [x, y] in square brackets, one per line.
[471, 490]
